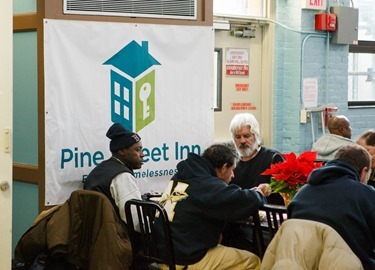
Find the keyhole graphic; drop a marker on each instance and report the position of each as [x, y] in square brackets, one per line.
[143, 95]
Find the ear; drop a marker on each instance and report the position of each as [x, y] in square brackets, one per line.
[224, 167]
[341, 129]
[220, 171]
[364, 175]
[122, 152]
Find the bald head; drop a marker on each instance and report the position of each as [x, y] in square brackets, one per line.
[340, 125]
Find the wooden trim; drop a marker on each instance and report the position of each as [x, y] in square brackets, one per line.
[41, 136]
[26, 173]
[24, 22]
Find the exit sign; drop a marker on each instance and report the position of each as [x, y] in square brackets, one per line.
[314, 4]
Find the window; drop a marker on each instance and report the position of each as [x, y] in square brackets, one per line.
[361, 79]
[240, 7]
[217, 78]
[362, 74]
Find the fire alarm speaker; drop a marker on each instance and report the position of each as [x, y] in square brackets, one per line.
[325, 22]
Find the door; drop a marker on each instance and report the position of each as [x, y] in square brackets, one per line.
[241, 92]
[6, 127]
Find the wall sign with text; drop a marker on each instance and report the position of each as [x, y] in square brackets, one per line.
[237, 62]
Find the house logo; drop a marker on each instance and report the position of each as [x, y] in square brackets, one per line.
[133, 86]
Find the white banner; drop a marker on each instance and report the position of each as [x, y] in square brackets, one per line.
[157, 80]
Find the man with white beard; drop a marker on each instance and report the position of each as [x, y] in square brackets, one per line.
[254, 159]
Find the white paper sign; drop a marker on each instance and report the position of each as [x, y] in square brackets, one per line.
[310, 92]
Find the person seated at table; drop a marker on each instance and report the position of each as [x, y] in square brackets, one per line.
[254, 157]
[367, 140]
[199, 202]
[254, 160]
[340, 135]
[115, 177]
[337, 195]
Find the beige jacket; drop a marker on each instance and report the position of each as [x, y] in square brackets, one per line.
[303, 244]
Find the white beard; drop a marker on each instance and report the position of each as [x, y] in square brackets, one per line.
[247, 150]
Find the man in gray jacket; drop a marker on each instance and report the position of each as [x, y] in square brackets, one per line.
[340, 135]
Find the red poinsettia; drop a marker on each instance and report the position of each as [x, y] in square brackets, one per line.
[291, 174]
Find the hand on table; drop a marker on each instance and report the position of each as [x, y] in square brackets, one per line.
[264, 189]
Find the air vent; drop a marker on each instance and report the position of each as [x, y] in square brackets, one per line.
[165, 9]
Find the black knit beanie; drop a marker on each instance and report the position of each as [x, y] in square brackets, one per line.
[121, 137]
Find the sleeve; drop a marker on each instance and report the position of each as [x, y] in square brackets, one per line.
[123, 188]
[233, 203]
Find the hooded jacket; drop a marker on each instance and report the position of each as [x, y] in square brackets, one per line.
[335, 196]
[198, 205]
[327, 146]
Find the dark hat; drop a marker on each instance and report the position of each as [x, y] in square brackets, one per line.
[121, 137]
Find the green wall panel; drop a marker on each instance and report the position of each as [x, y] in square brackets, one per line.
[22, 6]
[25, 98]
[25, 208]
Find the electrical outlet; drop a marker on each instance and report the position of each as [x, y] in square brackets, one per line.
[308, 116]
[305, 116]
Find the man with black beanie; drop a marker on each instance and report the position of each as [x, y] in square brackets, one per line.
[115, 177]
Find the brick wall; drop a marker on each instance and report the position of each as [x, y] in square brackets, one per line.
[300, 55]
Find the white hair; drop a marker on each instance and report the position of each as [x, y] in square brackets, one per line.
[245, 119]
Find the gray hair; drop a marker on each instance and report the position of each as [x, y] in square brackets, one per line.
[245, 119]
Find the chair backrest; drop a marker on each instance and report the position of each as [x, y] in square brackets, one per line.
[258, 246]
[275, 214]
[276, 158]
[143, 240]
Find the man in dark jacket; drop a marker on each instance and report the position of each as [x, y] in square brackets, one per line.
[115, 177]
[337, 195]
[199, 202]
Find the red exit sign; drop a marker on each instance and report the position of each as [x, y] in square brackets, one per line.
[314, 4]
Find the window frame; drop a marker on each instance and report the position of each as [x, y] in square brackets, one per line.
[363, 46]
[218, 80]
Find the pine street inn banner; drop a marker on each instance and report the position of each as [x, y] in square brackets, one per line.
[157, 80]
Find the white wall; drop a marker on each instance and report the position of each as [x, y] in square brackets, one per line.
[6, 102]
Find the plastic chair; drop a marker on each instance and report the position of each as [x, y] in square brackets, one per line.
[143, 242]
